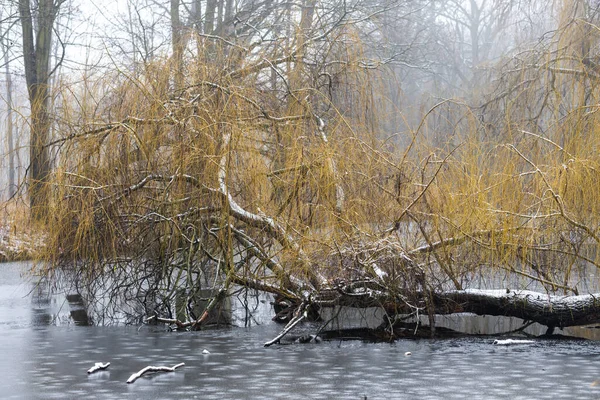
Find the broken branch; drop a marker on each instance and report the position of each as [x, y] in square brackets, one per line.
[135, 376]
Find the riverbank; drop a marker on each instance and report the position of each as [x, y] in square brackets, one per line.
[16, 247]
[18, 240]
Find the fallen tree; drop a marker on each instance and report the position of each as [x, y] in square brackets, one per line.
[549, 310]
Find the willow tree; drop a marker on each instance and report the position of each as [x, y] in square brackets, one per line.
[263, 168]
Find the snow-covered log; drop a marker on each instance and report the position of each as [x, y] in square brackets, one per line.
[135, 376]
[549, 310]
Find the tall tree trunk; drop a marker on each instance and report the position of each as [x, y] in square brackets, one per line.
[209, 21]
[196, 16]
[37, 59]
[220, 6]
[228, 12]
[9, 123]
[195, 22]
[178, 44]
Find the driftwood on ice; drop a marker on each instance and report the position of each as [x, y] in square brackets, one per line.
[135, 376]
[510, 342]
[98, 367]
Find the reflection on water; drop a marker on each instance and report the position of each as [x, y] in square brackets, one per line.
[27, 301]
[47, 362]
[478, 325]
[350, 318]
[77, 310]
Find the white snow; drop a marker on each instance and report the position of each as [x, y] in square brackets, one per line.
[509, 342]
[97, 367]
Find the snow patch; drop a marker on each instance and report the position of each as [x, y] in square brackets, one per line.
[510, 342]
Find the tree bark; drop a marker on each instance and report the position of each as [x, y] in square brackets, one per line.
[178, 45]
[37, 64]
[9, 122]
[549, 310]
[209, 16]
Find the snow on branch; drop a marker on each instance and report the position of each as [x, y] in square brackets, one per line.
[510, 342]
[260, 220]
[549, 310]
[135, 376]
[98, 367]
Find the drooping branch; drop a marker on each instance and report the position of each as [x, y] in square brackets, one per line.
[264, 222]
[557, 199]
[256, 251]
[262, 286]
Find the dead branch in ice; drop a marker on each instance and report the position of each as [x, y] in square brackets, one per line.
[97, 367]
[135, 376]
[170, 321]
[301, 314]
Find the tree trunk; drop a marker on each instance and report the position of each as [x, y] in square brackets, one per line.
[549, 310]
[552, 311]
[209, 21]
[37, 61]
[196, 16]
[178, 44]
[9, 123]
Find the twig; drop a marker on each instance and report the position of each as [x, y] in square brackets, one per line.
[171, 321]
[425, 189]
[135, 376]
[302, 313]
[556, 197]
[97, 367]
[181, 325]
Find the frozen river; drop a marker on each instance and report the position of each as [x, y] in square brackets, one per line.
[41, 361]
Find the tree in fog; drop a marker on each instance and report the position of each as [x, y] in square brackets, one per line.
[254, 149]
[6, 43]
[37, 24]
